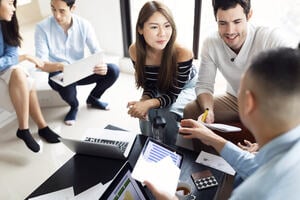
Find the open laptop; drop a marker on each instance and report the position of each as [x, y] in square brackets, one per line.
[124, 186]
[107, 143]
[78, 70]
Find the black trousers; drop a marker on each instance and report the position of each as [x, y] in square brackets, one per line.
[103, 82]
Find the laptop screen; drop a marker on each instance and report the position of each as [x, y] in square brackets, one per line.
[125, 187]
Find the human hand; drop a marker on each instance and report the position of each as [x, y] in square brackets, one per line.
[194, 129]
[52, 67]
[249, 146]
[138, 109]
[100, 69]
[210, 117]
[159, 195]
[35, 60]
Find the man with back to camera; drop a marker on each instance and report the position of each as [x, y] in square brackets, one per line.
[61, 39]
[269, 107]
[230, 50]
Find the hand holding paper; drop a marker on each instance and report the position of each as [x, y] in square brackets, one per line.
[158, 164]
[163, 174]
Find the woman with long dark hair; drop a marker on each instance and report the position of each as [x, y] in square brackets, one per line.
[20, 86]
[163, 69]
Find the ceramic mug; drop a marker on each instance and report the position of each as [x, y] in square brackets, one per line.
[184, 191]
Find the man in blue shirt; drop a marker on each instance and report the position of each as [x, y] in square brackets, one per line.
[61, 39]
[269, 107]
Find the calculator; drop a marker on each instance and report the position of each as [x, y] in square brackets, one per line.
[204, 179]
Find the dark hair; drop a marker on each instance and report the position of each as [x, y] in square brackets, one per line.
[227, 4]
[69, 3]
[168, 69]
[277, 71]
[10, 30]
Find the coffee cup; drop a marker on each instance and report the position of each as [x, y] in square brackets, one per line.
[184, 191]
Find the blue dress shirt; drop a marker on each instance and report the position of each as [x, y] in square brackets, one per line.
[242, 162]
[276, 174]
[8, 54]
[54, 45]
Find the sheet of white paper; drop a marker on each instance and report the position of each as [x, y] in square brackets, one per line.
[64, 194]
[215, 161]
[163, 174]
[93, 193]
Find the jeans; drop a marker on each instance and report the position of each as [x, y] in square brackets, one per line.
[187, 94]
[103, 82]
[171, 128]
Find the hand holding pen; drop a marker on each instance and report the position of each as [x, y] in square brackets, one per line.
[204, 115]
[207, 116]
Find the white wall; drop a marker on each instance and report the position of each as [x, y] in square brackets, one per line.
[106, 18]
[28, 12]
[44, 7]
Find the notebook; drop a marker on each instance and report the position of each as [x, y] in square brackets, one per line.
[106, 143]
[124, 186]
[78, 70]
[222, 127]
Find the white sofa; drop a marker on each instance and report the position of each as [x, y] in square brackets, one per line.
[5, 102]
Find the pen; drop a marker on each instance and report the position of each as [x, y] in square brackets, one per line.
[204, 115]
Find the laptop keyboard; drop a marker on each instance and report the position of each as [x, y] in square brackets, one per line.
[121, 144]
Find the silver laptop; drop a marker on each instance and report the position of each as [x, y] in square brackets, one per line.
[78, 70]
[103, 143]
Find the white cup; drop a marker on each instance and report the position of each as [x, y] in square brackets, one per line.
[184, 191]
